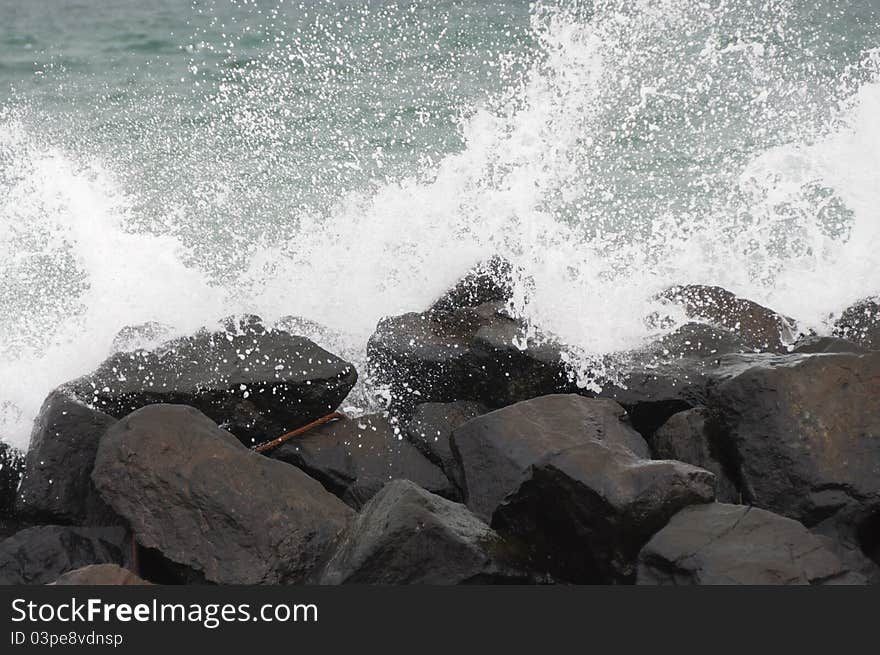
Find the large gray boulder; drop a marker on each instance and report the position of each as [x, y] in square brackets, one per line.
[38, 555]
[802, 433]
[194, 493]
[406, 535]
[569, 481]
[57, 484]
[355, 458]
[585, 512]
[496, 450]
[719, 544]
[254, 382]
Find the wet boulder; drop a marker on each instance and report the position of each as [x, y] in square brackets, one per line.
[406, 535]
[720, 544]
[194, 493]
[671, 374]
[38, 555]
[760, 328]
[860, 323]
[814, 345]
[11, 468]
[354, 458]
[489, 281]
[100, 575]
[684, 437]
[430, 430]
[469, 353]
[254, 382]
[585, 512]
[854, 538]
[497, 449]
[9, 525]
[803, 434]
[57, 485]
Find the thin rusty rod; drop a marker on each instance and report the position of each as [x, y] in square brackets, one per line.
[269, 445]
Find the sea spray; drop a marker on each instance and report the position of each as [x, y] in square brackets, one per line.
[342, 163]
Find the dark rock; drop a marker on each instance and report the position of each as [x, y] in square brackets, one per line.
[406, 535]
[762, 329]
[100, 575]
[684, 437]
[671, 374]
[57, 484]
[489, 281]
[854, 538]
[430, 430]
[191, 491]
[586, 512]
[355, 458]
[39, 555]
[816, 345]
[256, 383]
[803, 432]
[154, 567]
[472, 353]
[496, 450]
[718, 544]
[359, 492]
[11, 469]
[11, 524]
[861, 324]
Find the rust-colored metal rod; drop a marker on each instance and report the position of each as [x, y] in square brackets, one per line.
[269, 445]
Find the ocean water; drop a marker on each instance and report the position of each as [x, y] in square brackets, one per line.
[177, 161]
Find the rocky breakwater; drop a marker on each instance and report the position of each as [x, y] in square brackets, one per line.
[729, 451]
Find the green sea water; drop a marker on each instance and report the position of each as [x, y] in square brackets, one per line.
[178, 161]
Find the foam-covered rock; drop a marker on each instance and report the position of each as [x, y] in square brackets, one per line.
[256, 383]
[860, 323]
[489, 281]
[467, 353]
[760, 328]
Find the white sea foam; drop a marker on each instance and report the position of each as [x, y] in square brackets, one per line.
[549, 176]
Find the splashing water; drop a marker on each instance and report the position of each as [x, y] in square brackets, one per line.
[341, 162]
